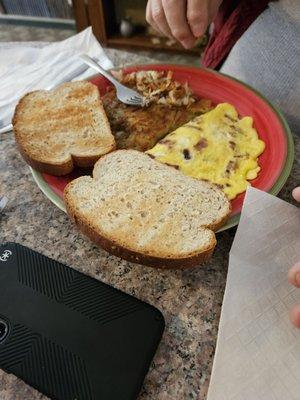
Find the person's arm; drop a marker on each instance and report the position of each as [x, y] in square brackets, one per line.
[183, 20]
[294, 276]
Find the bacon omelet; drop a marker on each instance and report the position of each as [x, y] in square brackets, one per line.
[217, 146]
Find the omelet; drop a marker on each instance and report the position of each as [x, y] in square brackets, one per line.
[217, 146]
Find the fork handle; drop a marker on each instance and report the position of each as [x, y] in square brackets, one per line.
[89, 61]
[6, 128]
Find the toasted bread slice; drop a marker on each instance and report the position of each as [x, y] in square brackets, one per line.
[147, 212]
[63, 127]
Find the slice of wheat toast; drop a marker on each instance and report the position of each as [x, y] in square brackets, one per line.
[58, 129]
[147, 212]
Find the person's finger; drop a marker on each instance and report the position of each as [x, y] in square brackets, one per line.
[295, 316]
[296, 193]
[197, 16]
[159, 18]
[294, 275]
[148, 12]
[175, 12]
[149, 17]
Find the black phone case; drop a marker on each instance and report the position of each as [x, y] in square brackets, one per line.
[69, 335]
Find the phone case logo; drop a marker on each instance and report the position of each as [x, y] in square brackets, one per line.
[5, 255]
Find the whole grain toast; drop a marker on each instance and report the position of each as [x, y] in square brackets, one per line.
[147, 212]
[58, 129]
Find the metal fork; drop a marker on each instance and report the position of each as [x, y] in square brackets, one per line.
[124, 94]
[3, 202]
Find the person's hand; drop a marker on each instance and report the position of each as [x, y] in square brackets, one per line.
[294, 276]
[183, 20]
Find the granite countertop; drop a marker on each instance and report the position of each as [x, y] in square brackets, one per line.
[190, 300]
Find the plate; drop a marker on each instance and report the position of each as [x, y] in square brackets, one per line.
[275, 162]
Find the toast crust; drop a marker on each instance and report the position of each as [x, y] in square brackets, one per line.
[65, 166]
[136, 257]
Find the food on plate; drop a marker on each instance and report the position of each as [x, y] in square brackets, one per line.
[158, 87]
[63, 127]
[141, 127]
[217, 146]
[146, 212]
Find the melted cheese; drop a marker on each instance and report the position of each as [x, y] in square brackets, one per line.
[217, 146]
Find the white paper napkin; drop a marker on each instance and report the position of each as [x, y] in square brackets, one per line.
[258, 350]
[24, 67]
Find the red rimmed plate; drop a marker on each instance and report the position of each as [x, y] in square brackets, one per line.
[275, 162]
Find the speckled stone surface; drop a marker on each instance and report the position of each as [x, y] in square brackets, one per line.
[190, 300]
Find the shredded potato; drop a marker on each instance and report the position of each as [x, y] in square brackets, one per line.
[158, 87]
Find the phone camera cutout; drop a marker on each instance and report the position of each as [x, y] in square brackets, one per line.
[3, 330]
